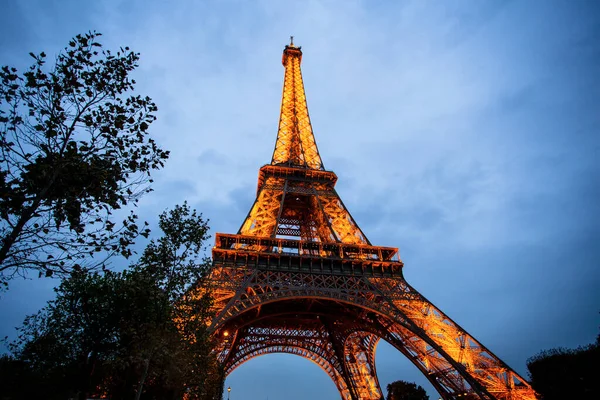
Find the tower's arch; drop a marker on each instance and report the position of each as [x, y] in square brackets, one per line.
[294, 347]
[345, 332]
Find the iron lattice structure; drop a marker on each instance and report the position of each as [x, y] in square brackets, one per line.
[300, 277]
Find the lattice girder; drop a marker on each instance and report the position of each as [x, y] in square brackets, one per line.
[329, 340]
[262, 218]
[302, 203]
[305, 339]
[342, 324]
[438, 345]
[359, 356]
[304, 353]
[295, 143]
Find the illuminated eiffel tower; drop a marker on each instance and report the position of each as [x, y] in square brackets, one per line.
[300, 277]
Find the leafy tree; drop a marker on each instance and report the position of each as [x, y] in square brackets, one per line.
[402, 390]
[74, 148]
[137, 334]
[566, 373]
[15, 381]
[68, 344]
[171, 264]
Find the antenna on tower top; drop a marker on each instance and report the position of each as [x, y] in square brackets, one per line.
[291, 40]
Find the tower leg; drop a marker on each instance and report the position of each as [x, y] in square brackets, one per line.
[359, 358]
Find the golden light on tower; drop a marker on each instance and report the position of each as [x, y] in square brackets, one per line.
[301, 277]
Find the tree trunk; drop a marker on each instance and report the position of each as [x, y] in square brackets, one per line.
[144, 374]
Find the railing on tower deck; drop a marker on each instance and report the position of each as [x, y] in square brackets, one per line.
[296, 174]
[282, 246]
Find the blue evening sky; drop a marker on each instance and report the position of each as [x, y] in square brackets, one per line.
[464, 132]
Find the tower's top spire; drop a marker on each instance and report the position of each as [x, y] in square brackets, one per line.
[295, 146]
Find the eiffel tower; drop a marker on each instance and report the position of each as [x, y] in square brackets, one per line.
[301, 277]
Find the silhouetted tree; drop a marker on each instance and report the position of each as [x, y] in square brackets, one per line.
[402, 390]
[74, 148]
[172, 263]
[566, 373]
[16, 378]
[138, 334]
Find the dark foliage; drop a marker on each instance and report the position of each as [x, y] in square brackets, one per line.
[566, 373]
[74, 148]
[131, 335]
[402, 390]
[16, 378]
